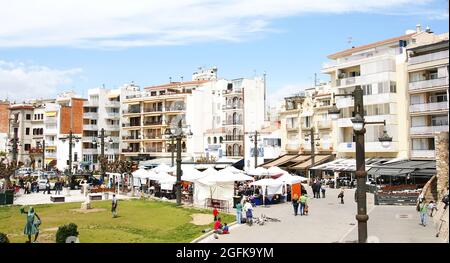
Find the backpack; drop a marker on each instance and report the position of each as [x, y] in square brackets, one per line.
[445, 199]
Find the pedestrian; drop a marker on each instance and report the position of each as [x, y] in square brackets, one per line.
[248, 208]
[313, 187]
[32, 224]
[57, 187]
[47, 187]
[423, 212]
[295, 204]
[341, 195]
[432, 207]
[114, 206]
[303, 202]
[318, 189]
[323, 191]
[239, 212]
[217, 228]
[445, 201]
[215, 213]
[28, 187]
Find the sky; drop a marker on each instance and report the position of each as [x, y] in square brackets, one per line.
[48, 46]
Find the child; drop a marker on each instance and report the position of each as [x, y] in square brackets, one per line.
[226, 229]
[215, 213]
[431, 208]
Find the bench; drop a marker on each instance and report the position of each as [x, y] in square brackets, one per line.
[94, 197]
[57, 198]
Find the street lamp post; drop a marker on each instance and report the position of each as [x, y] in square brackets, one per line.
[313, 151]
[102, 148]
[178, 134]
[42, 147]
[71, 137]
[360, 173]
[255, 137]
[14, 142]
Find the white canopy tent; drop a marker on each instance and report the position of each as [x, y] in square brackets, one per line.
[277, 170]
[260, 171]
[190, 174]
[164, 168]
[166, 181]
[231, 169]
[272, 186]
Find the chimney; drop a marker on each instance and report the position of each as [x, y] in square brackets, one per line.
[418, 28]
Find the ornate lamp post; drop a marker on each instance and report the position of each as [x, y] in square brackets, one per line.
[313, 149]
[42, 147]
[359, 130]
[71, 137]
[255, 139]
[178, 132]
[102, 148]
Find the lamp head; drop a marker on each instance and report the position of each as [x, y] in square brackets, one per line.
[385, 139]
[358, 122]
[334, 112]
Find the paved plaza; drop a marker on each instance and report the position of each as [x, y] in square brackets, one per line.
[329, 221]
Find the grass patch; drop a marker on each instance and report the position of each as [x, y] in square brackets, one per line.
[140, 221]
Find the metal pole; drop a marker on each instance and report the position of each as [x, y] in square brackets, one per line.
[255, 151]
[178, 184]
[70, 153]
[172, 149]
[360, 173]
[313, 150]
[102, 151]
[43, 154]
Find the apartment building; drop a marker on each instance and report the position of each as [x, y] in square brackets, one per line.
[4, 125]
[37, 130]
[268, 145]
[427, 67]
[21, 128]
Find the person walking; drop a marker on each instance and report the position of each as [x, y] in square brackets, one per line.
[239, 212]
[423, 212]
[431, 208]
[248, 208]
[32, 224]
[322, 189]
[114, 206]
[47, 187]
[303, 203]
[295, 204]
[215, 214]
[341, 195]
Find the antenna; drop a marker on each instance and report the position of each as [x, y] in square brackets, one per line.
[170, 79]
[350, 40]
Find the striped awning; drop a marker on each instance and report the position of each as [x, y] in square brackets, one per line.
[280, 160]
[50, 113]
[304, 165]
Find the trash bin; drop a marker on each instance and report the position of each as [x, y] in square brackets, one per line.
[236, 200]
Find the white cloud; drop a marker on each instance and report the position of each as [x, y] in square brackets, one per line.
[23, 81]
[277, 96]
[121, 23]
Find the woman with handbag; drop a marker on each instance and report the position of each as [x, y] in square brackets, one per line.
[32, 224]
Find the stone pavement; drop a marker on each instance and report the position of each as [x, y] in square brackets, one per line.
[329, 221]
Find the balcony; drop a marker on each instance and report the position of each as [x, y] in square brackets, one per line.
[131, 111]
[232, 123]
[51, 120]
[232, 92]
[131, 137]
[423, 154]
[427, 84]
[306, 127]
[292, 127]
[233, 138]
[347, 122]
[176, 107]
[112, 127]
[90, 115]
[50, 143]
[90, 127]
[292, 147]
[88, 138]
[348, 81]
[130, 150]
[152, 109]
[324, 125]
[112, 104]
[131, 125]
[151, 123]
[428, 57]
[427, 130]
[91, 103]
[374, 147]
[112, 115]
[153, 149]
[90, 151]
[232, 107]
[152, 137]
[427, 107]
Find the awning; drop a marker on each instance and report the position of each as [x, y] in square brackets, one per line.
[50, 114]
[318, 159]
[301, 158]
[403, 168]
[347, 165]
[389, 171]
[279, 161]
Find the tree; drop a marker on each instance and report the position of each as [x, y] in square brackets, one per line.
[7, 169]
[120, 166]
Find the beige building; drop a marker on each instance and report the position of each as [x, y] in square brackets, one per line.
[427, 86]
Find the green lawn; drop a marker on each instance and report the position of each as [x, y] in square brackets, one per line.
[137, 221]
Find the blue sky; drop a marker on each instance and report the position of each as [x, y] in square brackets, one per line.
[288, 39]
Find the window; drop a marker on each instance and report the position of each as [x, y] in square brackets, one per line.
[221, 139]
[215, 140]
[209, 140]
[27, 147]
[27, 131]
[28, 117]
[75, 157]
[367, 89]
[393, 87]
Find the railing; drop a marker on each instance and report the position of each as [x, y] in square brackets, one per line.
[137, 125]
[233, 91]
[292, 127]
[136, 137]
[176, 108]
[368, 146]
[169, 150]
[51, 120]
[232, 107]
[91, 103]
[90, 115]
[234, 138]
[429, 83]
[90, 127]
[428, 57]
[232, 123]
[88, 138]
[423, 154]
[153, 109]
[348, 81]
[112, 103]
[131, 111]
[130, 150]
[50, 143]
[152, 137]
[293, 146]
[153, 149]
[112, 127]
[306, 127]
[90, 151]
[112, 115]
[433, 106]
[149, 123]
[427, 130]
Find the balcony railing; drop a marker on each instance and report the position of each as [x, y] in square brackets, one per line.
[50, 143]
[112, 103]
[90, 151]
[429, 154]
[50, 120]
[433, 106]
[130, 150]
[348, 81]
[137, 125]
[234, 138]
[88, 138]
[429, 83]
[368, 147]
[50, 155]
[153, 149]
[232, 123]
[427, 130]
[306, 127]
[112, 115]
[176, 108]
[149, 123]
[90, 115]
[153, 109]
[232, 107]
[131, 111]
[428, 57]
[131, 137]
[291, 126]
[233, 91]
[152, 137]
[90, 127]
[112, 127]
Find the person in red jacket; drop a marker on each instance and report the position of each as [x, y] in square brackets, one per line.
[215, 213]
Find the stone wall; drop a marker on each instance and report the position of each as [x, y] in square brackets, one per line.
[441, 142]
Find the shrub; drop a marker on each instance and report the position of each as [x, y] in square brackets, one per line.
[66, 231]
[3, 238]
